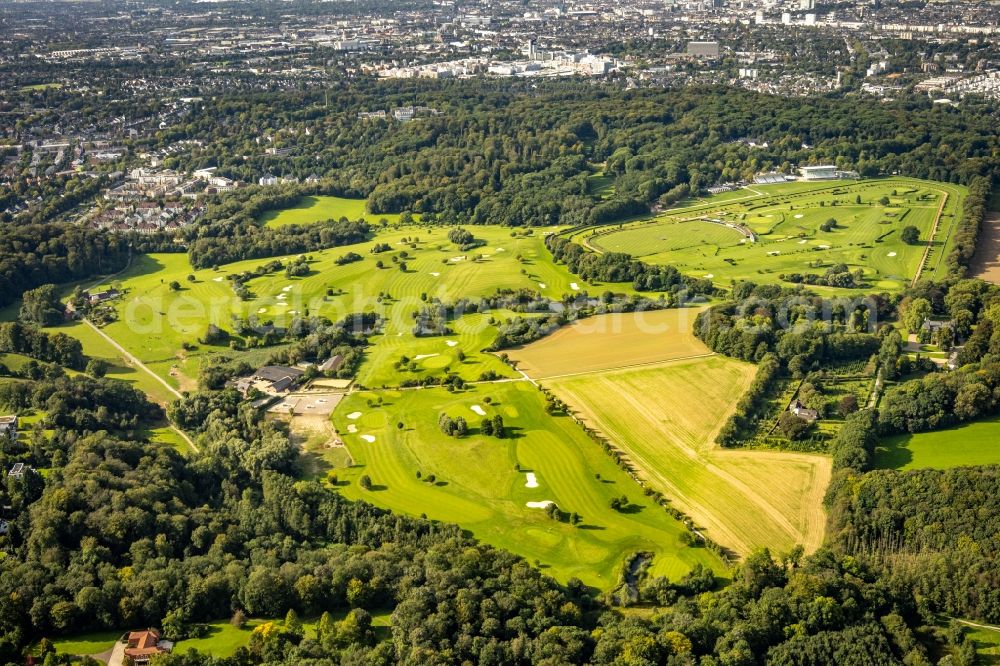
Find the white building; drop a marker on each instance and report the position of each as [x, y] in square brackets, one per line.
[821, 172]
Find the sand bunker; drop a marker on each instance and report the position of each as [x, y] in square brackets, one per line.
[420, 357]
[451, 343]
[799, 216]
[709, 276]
[351, 428]
[542, 285]
[574, 286]
[532, 481]
[436, 274]
[544, 504]
[219, 279]
[261, 310]
[892, 254]
[354, 416]
[288, 288]
[368, 438]
[478, 410]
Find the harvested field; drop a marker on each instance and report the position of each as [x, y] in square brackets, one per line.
[612, 341]
[665, 417]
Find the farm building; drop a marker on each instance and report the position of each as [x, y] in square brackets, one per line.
[144, 645]
[102, 296]
[803, 412]
[823, 172]
[332, 364]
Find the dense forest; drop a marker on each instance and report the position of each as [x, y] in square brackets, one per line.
[122, 533]
[37, 254]
[500, 155]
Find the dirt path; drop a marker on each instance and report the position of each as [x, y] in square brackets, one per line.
[930, 241]
[139, 365]
[970, 623]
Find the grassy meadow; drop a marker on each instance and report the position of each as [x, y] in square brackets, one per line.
[786, 219]
[309, 210]
[485, 484]
[976, 443]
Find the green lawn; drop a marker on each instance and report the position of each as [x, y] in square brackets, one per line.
[40, 86]
[787, 219]
[434, 356]
[14, 362]
[96, 346]
[164, 434]
[309, 210]
[479, 485]
[976, 443]
[686, 236]
[600, 185]
[89, 643]
[987, 644]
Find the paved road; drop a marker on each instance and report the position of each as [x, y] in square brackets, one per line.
[136, 363]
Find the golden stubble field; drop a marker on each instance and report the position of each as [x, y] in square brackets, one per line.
[664, 414]
[613, 341]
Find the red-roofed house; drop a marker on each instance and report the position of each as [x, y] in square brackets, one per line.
[142, 645]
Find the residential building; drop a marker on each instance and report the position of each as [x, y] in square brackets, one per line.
[144, 645]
